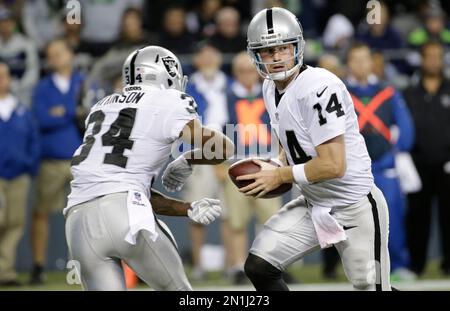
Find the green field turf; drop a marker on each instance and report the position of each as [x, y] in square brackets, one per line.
[306, 274]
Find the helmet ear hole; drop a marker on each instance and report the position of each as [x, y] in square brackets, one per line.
[169, 82]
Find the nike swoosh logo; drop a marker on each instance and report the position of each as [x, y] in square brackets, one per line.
[320, 94]
[117, 134]
[349, 227]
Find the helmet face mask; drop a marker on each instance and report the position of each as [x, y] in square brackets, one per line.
[273, 28]
[154, 65]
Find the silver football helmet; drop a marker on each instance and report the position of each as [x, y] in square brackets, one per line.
[274, 27]
[154, 65]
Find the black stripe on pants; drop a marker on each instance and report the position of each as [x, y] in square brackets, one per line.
[167, 234]
[377, 244]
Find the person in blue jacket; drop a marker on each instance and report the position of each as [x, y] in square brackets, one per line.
[55, 105]
[380, 108]
[207, 85]
[19, 160]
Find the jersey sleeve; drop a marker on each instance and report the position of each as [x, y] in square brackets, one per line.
[184, 111]
[324, 113]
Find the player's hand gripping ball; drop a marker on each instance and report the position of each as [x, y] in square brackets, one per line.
[248, 166]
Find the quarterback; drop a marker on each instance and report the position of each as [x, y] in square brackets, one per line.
[314, 119]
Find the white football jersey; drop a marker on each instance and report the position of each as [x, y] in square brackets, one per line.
[127, 141]
[314, 108]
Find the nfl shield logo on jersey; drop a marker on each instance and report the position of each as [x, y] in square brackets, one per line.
[137, 196]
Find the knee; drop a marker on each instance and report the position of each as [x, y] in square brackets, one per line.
[361, 284]
[360, 273]
[257, 268]
[251, 267]
[363, 279]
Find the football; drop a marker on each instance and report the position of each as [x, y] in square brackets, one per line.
[247, 166]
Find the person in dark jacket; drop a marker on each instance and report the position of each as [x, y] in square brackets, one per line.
[174, 35]
[55, 105]
[228, 37]
[19, 159]
[429, 101]
[382, 35]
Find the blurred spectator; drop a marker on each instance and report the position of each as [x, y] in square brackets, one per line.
[247, 112]
[202, 21]
[21, 56]
[102, 76]
[175, 36]
[228, 37]
[15, 6]
[101, 22]
[42, 20]
[211, 82]
[379, 108]
[72, 34]
[244, 8]
[55, 100]
[429, 101]
[195, 189]
[132, 34]
[387, 72]
[338, 32]
[207, 85]
[19, 155]
[434, 28]
[331, 63]
[381, 36]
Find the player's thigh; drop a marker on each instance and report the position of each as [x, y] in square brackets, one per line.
[158, 262]
[90, 246]
[238, 207]
[104, 276]
[287, 237]
[365, 254]
[266, 208]
[51, 185]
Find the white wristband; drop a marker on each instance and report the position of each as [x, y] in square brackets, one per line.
[298, 171]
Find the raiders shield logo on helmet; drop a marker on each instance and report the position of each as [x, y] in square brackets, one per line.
[171, 65]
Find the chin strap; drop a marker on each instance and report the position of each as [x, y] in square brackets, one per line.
[283, 75]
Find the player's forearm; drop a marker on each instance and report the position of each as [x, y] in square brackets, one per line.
[314, 170]
[329, 163]
[318, 169]
[163, 205]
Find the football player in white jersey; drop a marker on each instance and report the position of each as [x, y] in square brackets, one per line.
[128, 139]
[314, 118]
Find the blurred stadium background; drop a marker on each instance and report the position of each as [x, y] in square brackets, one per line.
[207, 35]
